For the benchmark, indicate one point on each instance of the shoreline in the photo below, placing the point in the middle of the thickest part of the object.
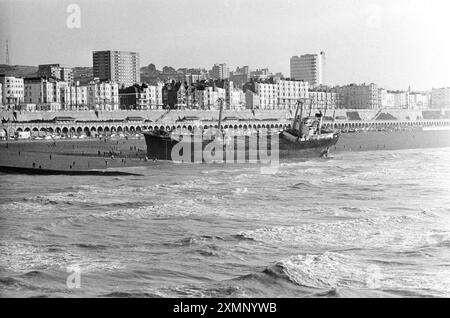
(101, 156)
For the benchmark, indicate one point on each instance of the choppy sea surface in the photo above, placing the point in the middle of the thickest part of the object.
(359, 224)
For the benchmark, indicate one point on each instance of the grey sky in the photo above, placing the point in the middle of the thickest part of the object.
(394, 43)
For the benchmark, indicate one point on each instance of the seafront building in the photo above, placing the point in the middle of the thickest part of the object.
(289, 92)
(12, 91)
(44, 92)
(324, 99)
(74, 96)
(141, 97)
(119, 67)
(440, 97)
(57, 71)
(364, 96)
(207, 97)
(403, 99)
(308, 67)
(103, 95)
(275, 94)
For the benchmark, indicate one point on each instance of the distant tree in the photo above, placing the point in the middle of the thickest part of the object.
(169, 70)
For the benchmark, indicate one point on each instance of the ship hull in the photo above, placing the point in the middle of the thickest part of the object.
(251, 148)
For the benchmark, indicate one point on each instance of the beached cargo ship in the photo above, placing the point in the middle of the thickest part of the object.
(306, 138)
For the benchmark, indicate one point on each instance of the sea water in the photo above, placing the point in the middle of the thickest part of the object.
(357, 224)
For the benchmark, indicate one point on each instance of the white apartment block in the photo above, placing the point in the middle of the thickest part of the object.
(237, 99)
(12, 90)
(308, 67)
(323, 100)
(74, 97)
(386, 99)
(208, 98)
(154, 95)
(268, 95)
(103, 95)
(289, 92)
(440, 97)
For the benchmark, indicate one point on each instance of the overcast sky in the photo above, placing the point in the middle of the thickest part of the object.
(395, 43)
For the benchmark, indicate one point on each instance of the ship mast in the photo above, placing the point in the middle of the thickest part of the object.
(220, 113)
(295, 116)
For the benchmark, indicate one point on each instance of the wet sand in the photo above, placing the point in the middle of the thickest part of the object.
(74, 154)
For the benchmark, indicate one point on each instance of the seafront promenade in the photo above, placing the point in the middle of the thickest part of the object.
(91, 123)
(87, 140)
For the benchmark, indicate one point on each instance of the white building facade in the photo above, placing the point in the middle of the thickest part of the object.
(103, 95)
(308, 67)
(12, 91)
(289, 92)
(44, 93)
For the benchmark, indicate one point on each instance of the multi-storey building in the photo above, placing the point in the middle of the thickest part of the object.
(117, 66)
(323, 99)
(355, 96)
(44, 92)
(13, 91)
(57, 71)
(289, 92)
(419, 100)
(220, 71)
(73, 96)
(103, 95)
(308, 67)
(154, 93)
(142, 97)
(440, 97)
(268, 95)
(208, 97)
(240, 76)
(386, 98)
(261, 74)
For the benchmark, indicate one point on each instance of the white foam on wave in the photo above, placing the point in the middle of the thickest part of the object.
(25, 208)
(176, 208)
(334, 270)
(21, 257)
(391, 232)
